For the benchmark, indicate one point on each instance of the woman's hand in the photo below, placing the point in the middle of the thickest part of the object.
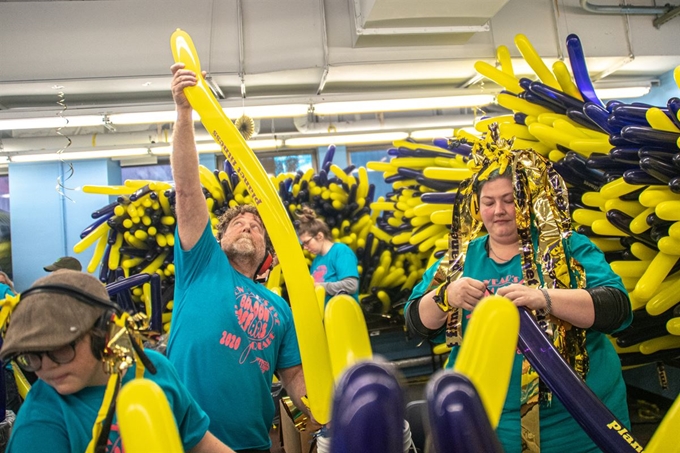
(466, 293)
(524, 296)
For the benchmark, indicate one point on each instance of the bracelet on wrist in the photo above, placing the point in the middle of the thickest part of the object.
(548, 301)
(441, 297)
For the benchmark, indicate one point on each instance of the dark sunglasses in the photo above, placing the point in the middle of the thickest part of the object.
(32, 361)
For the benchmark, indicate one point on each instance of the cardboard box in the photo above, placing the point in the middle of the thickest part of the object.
(294, 439)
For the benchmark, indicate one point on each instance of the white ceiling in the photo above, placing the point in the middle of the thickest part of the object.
(109, 55)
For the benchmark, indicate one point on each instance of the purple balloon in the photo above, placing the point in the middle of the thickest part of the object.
(596, 420)
(599, 115)
(650, 137)
(555, 96)
(457, 416)
(328, 158)
(673, 109)
(368, 411)
(127, 283)
(95, 224)
(577, 60)
(156, 321)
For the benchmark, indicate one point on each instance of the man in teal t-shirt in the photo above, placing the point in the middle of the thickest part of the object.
(229, 334)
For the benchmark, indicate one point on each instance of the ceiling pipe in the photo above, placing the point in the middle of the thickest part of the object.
(241, 50)
(434, 122)
(324, 42)
(618, 9)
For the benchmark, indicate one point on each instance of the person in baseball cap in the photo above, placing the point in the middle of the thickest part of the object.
(65, 262)
(59, 329)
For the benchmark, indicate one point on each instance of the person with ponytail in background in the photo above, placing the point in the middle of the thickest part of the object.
(335, 264)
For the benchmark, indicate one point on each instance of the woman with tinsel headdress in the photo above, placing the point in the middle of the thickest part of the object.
(531, 256)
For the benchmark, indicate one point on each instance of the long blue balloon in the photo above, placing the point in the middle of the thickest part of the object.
(577, 60)
(127, 283)
(596, 420)
(599, 115)
(555, 96)
(458, 420)
(673, 109)
(368, 411)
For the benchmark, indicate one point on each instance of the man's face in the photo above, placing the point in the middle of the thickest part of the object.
(244, 238)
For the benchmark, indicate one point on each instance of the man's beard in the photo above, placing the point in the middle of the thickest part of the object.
(243, 248)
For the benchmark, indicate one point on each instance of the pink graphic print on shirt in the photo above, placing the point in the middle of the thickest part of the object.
(494, 284)
(257, 317)
(319, 274)
(117, 445)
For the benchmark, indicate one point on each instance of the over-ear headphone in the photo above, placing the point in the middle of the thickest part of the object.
(100, 328)
(265, 265)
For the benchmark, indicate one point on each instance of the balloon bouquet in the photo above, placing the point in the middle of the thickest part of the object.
(619, 161)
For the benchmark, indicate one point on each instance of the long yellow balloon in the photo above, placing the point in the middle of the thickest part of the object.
(658, 120)
(665, 438)
(347, 334)
(487, 354)
(308, 325)
(145, 419)
(504, 79)
(564, 79)
(536, 62)
(654, 275)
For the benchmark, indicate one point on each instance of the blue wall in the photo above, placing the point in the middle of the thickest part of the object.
(46, 224)
(660, 95)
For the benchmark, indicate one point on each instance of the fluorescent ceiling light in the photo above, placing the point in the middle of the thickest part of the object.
(98, 154)
(393, 105)
(622, 93)
(381, 137)
(4, 160)
(432, 133)
(213, 147)
(53, 122)
(168, 116)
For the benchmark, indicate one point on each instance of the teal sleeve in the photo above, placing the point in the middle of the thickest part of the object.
(192, 422)
(419, 291)
(39, 427)
(598, 271)
(346, 264)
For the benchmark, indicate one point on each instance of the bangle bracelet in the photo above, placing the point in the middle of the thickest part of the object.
(441, 297)
(548, 301)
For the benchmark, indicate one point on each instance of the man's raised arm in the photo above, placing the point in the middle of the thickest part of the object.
(191, 210)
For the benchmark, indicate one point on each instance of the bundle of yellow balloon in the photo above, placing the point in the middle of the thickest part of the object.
(616, 158)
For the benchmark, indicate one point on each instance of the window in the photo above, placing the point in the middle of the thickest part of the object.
(159, 172)
(278, 162)
(5, 236)
(361, 158)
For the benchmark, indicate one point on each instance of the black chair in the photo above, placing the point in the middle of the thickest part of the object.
(416, 416)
